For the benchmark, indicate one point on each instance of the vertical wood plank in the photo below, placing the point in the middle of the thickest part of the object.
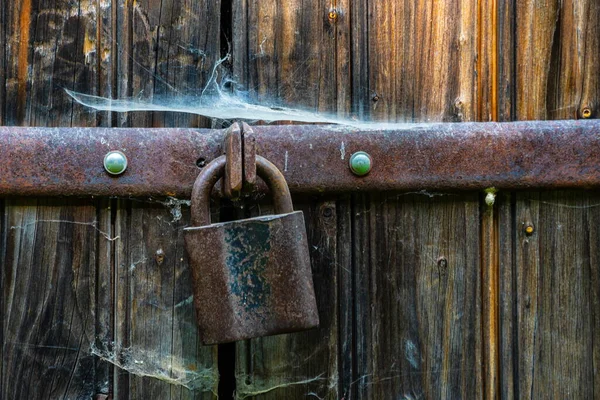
(507, 295)
(156, 329)
(558, 53)
(346, 316)
(422, 60)
(3, 280)
(49, 299)
(3, 51)
(167, 51)
(490, 260)
(306, 363)
(289, 57)
(52, 46)
(557, 295)
(487, 60)
(105, 287)
(418, 297)
(506, 59)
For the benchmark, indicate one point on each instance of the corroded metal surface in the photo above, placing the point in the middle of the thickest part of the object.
(250, 277)
(249, 154)
(460, 156)
(69, 161)
(463, 156)
(234, 174)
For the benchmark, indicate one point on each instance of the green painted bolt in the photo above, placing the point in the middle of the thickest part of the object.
(115, 162)
(360, 163)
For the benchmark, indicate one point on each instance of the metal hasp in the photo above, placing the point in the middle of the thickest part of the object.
(314, 159)
(250, 277)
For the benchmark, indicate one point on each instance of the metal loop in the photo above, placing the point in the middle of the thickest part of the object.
(214, 170)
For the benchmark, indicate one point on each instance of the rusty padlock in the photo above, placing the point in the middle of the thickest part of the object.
(251, 277)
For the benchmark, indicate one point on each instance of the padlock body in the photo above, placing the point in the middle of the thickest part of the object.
(251, 278)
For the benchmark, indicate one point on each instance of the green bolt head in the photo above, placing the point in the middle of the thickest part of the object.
(115, 162)
(360, 163)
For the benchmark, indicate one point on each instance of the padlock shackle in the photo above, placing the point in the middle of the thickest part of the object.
(212, 172)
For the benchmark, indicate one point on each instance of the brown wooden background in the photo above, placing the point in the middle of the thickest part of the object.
(506, 315)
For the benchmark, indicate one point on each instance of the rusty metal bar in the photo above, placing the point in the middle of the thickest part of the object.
(314, 159)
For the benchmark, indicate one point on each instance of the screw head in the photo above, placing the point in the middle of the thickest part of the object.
(529, 229)
(115, 162)
(360, 163)
(333, 15)
(586, 112)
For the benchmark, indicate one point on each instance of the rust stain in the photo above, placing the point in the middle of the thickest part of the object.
(23, 63)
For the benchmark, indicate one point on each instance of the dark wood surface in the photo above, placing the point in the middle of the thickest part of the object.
(154, 314)
(50, 299)
(550, 295)
(87, 306)
(417, 301)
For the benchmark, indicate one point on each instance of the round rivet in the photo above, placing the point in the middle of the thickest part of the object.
(115, 162)
(360, 163)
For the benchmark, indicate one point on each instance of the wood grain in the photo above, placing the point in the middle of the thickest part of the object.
(417, 297)
(555, 297)
(506, 60)
(490, 262)
(557, 57)
(154, 314)
(50, 298)
(422, 60)
(507, 281)
(3, 51)
(52, 46)
(166, 51)
(306, 363)
(285, 52)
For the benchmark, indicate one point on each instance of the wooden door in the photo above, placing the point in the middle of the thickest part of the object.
(421, 294)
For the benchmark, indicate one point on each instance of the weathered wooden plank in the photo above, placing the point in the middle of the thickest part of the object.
(346, 317)
(3, 239)
(490, 261)
(49, 299)
(105, 287)
(156, 335)
(51, 46)
(301, 364)
(289, 57)
(557, 57)
(506, 65)
(3, 51)
(554, 297)
(506, 295)
(487, 60)
(166, 50)
(422, 60)
(417, 297)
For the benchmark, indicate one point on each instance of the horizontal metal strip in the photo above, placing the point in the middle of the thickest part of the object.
(314, 159)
